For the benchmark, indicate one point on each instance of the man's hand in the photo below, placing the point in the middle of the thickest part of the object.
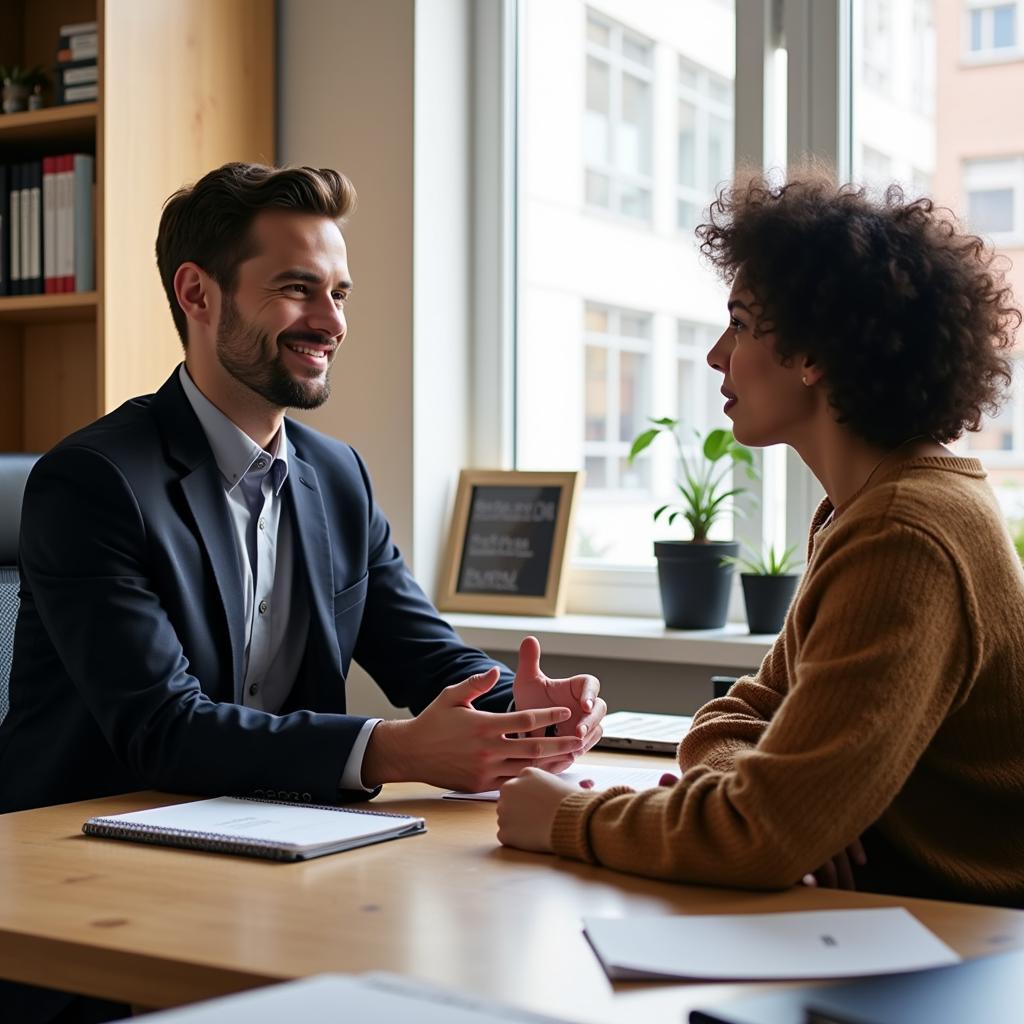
(527, 807)
(837, 873)
(533, 689)
(452, 745)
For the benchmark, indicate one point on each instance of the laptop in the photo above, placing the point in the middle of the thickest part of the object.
(643, 731)
(989, 990)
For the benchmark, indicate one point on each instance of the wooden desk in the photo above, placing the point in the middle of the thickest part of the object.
(159, 927)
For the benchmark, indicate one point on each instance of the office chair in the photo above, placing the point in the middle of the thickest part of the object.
(14, 470)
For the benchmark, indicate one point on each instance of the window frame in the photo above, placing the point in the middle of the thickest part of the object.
(987, 179)
(817, 120)
(990, 54)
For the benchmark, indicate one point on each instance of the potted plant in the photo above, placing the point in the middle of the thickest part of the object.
(693, 579)
(769, 583)
(18, 83)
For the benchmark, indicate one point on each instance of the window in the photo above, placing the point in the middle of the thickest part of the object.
(617, 366)
(614, 311)
(617, 121)
(705, 138)
(994, 198)
(992, 29)
(600, 299)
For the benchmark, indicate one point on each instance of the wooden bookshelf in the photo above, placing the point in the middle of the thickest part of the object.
(184, 85)
(48, 309)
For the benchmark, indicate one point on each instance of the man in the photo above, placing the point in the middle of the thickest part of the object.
(199, 573)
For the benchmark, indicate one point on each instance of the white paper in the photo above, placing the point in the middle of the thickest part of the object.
(757, 947)
(330, 998)
(604, 776)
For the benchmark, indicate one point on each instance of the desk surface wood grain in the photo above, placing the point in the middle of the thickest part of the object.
(159, 927)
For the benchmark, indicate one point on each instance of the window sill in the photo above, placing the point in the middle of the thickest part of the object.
(624, 638)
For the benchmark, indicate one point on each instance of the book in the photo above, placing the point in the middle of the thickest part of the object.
(64, 263)
(330, 998)
(79, 28)
(269, 829)
(82, 231)
(49, 224)
(766, 947)
(14, 230)
(989, 989)
(80, 74)
(4, 231)
(77, 93)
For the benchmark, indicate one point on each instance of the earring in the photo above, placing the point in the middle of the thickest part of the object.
(805, 380)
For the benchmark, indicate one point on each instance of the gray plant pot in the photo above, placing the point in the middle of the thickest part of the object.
(767, 599)
(694, 583)
(15, 98)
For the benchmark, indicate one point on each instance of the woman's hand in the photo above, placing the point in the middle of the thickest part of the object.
(527, 806)
(837, 873)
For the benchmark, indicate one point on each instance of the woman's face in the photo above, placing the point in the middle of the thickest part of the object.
(766, 400)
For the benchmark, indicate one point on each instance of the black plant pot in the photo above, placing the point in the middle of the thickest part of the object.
(694, 583)
(767, 599)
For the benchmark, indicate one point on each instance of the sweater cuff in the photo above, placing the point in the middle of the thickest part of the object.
(571, 827)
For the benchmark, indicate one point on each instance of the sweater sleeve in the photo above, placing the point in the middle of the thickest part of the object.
(729, 725)
(885, 647)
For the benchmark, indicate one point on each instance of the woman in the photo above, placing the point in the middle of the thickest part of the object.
(864, 334)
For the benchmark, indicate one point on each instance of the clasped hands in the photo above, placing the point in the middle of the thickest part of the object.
(452, 745)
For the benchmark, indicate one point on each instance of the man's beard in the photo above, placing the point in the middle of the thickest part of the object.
(244, 350)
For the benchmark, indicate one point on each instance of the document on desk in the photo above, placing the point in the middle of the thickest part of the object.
(256, 828)
(604, 776)
(331, 998)
(761, 947)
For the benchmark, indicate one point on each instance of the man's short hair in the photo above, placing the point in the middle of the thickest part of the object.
(209, 223)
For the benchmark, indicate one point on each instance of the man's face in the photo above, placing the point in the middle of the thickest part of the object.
(281, 327)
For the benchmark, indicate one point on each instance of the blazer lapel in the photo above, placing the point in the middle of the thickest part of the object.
(309, 521)
(204, 492)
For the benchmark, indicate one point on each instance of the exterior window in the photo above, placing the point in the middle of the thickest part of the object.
(618, 119)
(617, 360)
(994, 194)
(705, 114)
(992, 30)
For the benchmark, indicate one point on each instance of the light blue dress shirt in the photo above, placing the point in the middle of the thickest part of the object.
(277, 613)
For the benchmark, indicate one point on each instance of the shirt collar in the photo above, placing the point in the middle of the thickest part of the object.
(233, 450)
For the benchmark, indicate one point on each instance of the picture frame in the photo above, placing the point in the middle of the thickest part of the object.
(508, 544)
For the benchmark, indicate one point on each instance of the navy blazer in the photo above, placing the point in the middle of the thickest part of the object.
(127, 670)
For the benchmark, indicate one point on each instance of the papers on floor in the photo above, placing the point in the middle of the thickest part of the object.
(758, 947)
(330, 998)
(604, 776)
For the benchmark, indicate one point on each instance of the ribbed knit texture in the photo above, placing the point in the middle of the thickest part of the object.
(893, 697)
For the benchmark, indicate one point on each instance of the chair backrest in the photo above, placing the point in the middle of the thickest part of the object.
(14, 471)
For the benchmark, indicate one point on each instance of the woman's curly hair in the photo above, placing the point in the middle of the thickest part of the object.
(909, 318)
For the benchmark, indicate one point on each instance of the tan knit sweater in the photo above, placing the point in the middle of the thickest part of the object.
(893, 697)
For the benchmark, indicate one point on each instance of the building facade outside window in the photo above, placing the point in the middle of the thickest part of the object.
(991, 29)
(618, 119)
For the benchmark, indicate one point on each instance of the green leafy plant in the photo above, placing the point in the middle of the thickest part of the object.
(15, 74)
(1016, 527)
(766, 563)
(703, 478)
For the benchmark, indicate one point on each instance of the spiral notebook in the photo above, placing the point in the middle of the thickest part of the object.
(256, 828)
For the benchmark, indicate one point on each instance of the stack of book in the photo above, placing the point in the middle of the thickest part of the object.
(46, 225)
(76, 73)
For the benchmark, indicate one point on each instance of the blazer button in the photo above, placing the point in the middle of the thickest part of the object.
(293, 796)
(306, 797)
(259, 792)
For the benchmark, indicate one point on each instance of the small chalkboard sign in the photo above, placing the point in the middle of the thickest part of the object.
(508, 544)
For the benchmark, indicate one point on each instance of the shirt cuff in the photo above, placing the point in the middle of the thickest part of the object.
(352, 776)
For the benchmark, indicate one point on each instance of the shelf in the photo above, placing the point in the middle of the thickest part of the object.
(46, 309)
(51, 124)
(617, 637)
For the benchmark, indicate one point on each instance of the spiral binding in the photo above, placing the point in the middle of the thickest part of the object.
(216, 842)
